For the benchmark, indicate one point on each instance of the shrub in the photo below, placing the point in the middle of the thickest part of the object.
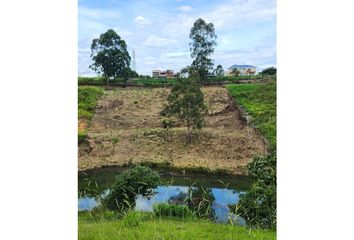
(167, 123)
(128, 185)
(132, 219)
(258, 205)
(171, 210)
(82, 137)
(87, 100)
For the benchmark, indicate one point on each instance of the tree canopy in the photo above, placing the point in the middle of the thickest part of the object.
(203, 39)
(186, 102)
(219, 71)
(110, 56)
(269, 71)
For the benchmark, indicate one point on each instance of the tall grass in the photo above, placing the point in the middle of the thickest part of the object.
(87, 100)
(259, 100)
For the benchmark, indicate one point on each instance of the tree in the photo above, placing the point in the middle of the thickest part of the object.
(269, 71)
(128, 185)
(202, 46)
(235, 72)
(186, 102)
(110, 56)
(219, 72)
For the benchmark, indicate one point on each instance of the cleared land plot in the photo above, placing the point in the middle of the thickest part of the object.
(126, 128)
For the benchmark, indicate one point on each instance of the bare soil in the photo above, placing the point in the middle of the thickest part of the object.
(126, 128)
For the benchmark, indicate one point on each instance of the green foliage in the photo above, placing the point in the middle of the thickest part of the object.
(219, 71)
(269, 71)
(259, 100)
(87, 100)
(203, 39)
(167, 123)
(128, 185)
(235, 72)
(110, 56)
(82, 137)
(114, 140)
(186, 102)
(199, 200)
(132, 219)
(258, 205)
(171, 210)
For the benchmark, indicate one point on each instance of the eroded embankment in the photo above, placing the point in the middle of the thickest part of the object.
(127, 129)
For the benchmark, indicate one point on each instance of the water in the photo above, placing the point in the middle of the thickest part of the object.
(226, 190)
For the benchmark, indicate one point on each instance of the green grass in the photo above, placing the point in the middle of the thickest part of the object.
(87, 100)
(259, 100)
(146, 226)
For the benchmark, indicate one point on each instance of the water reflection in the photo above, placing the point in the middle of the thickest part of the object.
(222, 197)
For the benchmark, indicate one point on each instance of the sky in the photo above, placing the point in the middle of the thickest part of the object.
(158, 31)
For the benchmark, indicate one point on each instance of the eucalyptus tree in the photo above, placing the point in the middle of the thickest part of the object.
(110, 56)
(202, 46)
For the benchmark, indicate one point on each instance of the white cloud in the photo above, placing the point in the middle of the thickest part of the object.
(154, 41)
(185, 8)
(141, 20)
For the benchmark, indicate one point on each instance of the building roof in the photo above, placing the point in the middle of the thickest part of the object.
(242, 66)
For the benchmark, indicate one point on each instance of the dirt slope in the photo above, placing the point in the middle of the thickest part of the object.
(127, 128)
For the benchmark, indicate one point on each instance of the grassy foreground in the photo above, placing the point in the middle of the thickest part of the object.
(259, 100)
(150, 227)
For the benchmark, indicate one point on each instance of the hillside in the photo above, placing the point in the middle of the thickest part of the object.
(126, 128)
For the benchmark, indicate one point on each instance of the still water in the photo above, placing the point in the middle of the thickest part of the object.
(94, 185)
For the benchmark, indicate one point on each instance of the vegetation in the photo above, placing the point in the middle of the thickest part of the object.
(110, 56)
(258, 205)
(186, 102)
(202, 46)
(219, 71)
(82, 137)
(87, 100)
(128, 185)
(269, 71)
(259, 100)
(171, 210)
(146, 226)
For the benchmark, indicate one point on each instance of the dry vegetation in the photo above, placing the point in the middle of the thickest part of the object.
(126, 128)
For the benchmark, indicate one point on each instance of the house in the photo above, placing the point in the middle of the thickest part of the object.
(162, 74)
(244, 70)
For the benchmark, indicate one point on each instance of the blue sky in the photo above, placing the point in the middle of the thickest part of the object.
(158, 31)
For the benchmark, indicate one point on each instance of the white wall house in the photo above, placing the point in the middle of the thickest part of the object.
(245, 70)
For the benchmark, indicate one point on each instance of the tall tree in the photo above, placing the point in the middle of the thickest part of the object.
(110, 56)
(269, 71)
(202, 46)
(219, 71)
(186, 102)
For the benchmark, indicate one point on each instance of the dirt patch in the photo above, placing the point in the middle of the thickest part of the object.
(127, 128)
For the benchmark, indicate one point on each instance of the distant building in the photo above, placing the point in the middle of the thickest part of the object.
(162, 74)
(245, 70)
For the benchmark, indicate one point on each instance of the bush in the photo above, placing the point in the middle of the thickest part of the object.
(82, 137)
(128, 185)
(258, 205)
(170, 210)
(132, 219)
(88, 97)
(167, 123)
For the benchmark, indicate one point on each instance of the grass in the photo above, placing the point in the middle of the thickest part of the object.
(259, 100)
(147, 226)
(87, 100)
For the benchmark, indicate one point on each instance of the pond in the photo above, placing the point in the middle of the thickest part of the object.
(95, 184)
